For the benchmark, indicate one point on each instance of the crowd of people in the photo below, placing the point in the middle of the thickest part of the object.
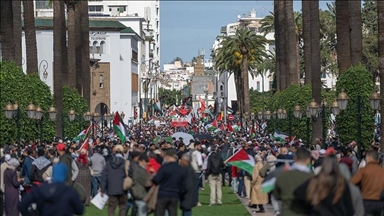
(141, 177)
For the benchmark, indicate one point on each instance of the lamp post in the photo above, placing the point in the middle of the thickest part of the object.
(44, 65)
(13, 111)
(39, 116)
(246, 116)
(342, 100)
(253, 121)
(267, 117)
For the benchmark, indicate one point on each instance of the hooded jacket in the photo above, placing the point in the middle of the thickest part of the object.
(54, 199)
(39, 166)
(113, 176)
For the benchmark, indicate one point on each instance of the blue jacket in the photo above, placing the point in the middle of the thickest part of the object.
(27, 170)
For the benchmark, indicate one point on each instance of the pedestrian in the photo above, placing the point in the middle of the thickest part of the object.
(171, 180)
(197, 164)
(66, 159)
(54, 199)
(39, 166)
(47, 176)
(84, 176)
(187, 202)
(97, 167)
(214, 168)
(112, 182)
(11, 188)
(26, 169)
(328, 192)
(141, 184)
(371, 180)
(258, 198)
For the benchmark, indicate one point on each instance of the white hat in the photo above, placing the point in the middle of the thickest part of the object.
(322, 151)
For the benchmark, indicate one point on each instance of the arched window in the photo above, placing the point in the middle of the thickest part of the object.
(101, 81)
(102, 47)
(94, 47)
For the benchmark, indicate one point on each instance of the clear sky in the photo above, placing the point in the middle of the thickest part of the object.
(188, 26)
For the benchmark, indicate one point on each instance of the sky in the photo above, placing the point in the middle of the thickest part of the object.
(188, 26)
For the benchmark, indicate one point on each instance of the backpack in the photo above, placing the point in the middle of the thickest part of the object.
(216, 164)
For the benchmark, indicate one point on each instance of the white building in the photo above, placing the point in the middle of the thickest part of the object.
(113, 48)
(177, 76)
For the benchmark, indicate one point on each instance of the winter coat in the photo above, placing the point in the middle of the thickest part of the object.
(39, 166)
(3, 167)
(187, 201)
(11, 192)
(53, 199)
(26, 170)
(141, 183)
(257, 196)
(215, 164)
(113, 176)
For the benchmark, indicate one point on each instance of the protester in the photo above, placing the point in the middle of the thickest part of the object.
(197, 163)
(84, 176)
(11, 188)
(214, 171)
(258, 198)
(66, 159)
(97, 167)
(187, 202)
(39, 166)
(54, 199)
(141, 184)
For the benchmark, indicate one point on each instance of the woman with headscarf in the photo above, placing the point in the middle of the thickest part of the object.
(327, 193)
(11, 188)
(84, 177)
(258, 198)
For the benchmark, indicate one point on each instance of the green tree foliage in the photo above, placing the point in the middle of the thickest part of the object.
(370, 36)
(168, 97)
(24, 89)
(72, 100)
(356, 81)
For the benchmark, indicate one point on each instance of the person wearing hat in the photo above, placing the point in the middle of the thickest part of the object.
(54, 199)
(69, 162)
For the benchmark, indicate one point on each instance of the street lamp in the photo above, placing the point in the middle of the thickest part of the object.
(297, 112)
(259, 115)
(280, 113)
(31, 111)
(313, 108)
(267, 115)
(246, 116)
(335, 108)
(374, 100)
(71, 115)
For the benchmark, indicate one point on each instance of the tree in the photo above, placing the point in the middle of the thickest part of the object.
(307, 41)
(343, 35)
(168, 97)
(85, 61)
(6, 30)
(291, 45)
(236, 56)
(71, 6)
(30, 36)
(281, 70)
(370, 37)
(380, 14)
(356, 33)
(356, 81)
(17, 31)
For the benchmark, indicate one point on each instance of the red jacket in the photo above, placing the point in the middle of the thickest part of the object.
(234, 171)
(153, 166)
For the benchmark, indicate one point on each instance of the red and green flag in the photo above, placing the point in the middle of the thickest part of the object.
(118, 126)
(242, 160)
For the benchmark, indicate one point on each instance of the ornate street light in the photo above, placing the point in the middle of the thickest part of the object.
(267, 115)
(313, 108)
(38, 113)
(297, 112)
(31, 111)
(96, 116)
(52, 113)
(335, 108)
(9, 110)
(342, 100)
(87, 116)
(280, 114)
(285, 114)
(71, 115)
(308, 113)
(374, 99)
(259, 115)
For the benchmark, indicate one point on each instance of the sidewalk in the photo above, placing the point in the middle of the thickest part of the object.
(268, 208)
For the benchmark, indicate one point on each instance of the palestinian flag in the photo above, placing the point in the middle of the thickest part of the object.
(85, 145)
(157, 107)
(82, 134)
(229, 110)
(278, 136)
(212, 126)
(253, 133)
(118, 126)
(269, 185)
(235, 127)
(242, 160)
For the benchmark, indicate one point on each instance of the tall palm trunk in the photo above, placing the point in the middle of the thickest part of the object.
(17, 31)
(59, 53)
(78, 42)
(356, 34)
(315, 62)
(290, 44)
(85, 62)
(380, 12)
(343, 35)
(281, 74)
(245, 80)
(30, 37)
(71, 44)
(307, 41)
(7, 40)
(239, 87)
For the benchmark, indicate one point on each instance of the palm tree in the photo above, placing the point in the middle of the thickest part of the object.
(315, 61)
(356, 32)
(237, 55)
(6, 31)
(380, 12)
(17, 31)
(307, 41)
(60, 59)
(281, 71)
(290, 44)
(343, 35)
(71, 6)
(85, 70)
(30, 36)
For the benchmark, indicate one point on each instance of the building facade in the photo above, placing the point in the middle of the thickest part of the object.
(113, 63)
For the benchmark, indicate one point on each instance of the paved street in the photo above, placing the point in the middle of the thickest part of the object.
(268, 208)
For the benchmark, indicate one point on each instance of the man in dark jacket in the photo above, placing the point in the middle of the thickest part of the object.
(214, 168)
(54, 199)
(187, 202)
(112, 182)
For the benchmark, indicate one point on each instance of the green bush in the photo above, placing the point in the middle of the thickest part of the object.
(16, 86)
(356, 81)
